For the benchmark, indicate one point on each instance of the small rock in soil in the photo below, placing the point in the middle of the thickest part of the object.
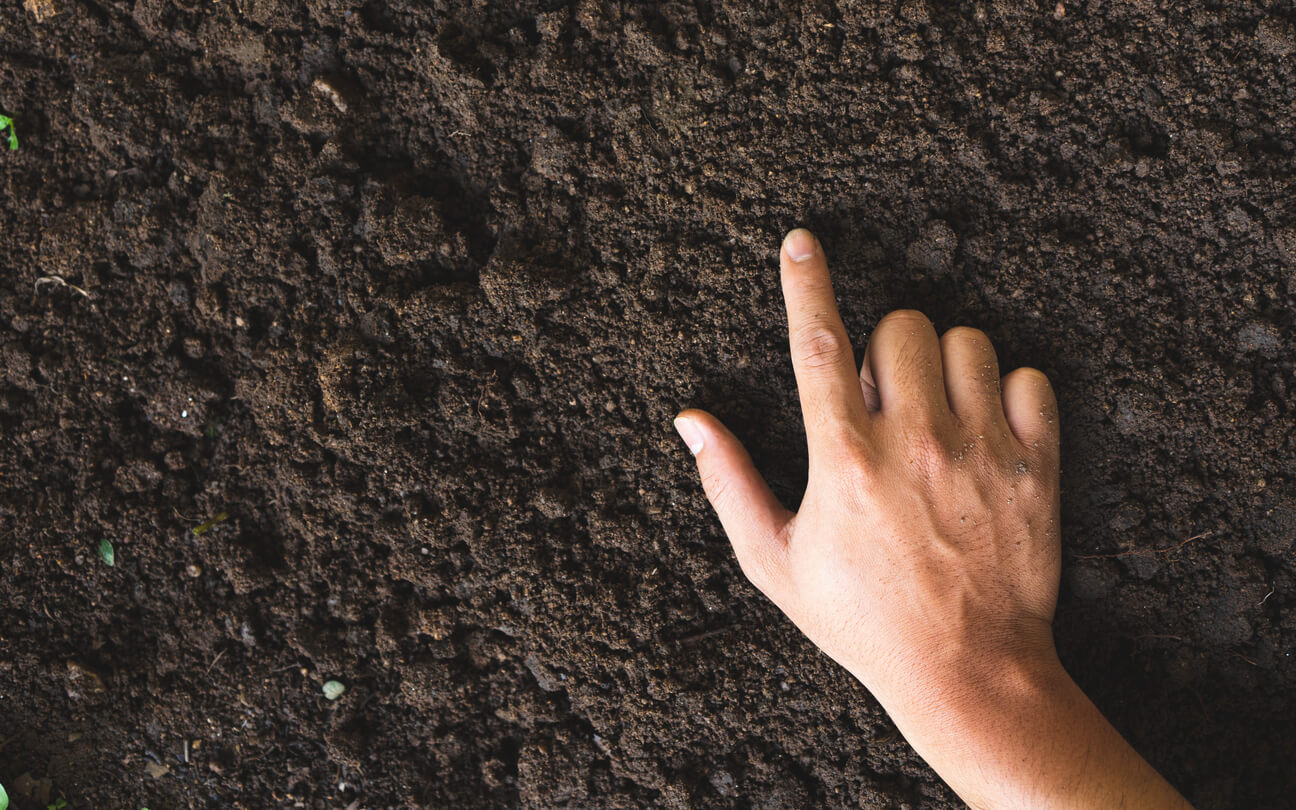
(82, 682)
(42, 10)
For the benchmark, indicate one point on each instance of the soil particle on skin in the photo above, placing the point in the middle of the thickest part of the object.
(409, 293)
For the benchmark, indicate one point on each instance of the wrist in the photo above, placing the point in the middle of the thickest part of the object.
(974, 697)
(981, 722)
(1017, 732)
(977, 733)
(972, 677)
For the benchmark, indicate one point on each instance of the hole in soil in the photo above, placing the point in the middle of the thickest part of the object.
(266, 548)
(530, 32)
(378, 16)
(1147, 138)
(464, 47)
(574, 129)
(1274, 146)
(99, 13)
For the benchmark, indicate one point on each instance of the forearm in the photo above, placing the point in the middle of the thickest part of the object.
(1030, 738)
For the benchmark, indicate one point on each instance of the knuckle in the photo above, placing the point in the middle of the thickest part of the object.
(819, 347)
(841, 435)
(854, 459)
(1030, 485)
(1043, 452)
(851, 471)
(929, 454)
(924, 426)
(843, 445)
(930, 450)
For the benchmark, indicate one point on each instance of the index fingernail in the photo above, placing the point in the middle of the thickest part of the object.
(800, 245)
(690, 433)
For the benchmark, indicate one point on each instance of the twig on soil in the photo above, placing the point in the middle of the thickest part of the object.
(60, 282)
(214, 662)
(1244, 658)
(1272, 590)
(1140, 552)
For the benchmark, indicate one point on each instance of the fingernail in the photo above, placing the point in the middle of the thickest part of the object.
(690, 433)
(800, 245)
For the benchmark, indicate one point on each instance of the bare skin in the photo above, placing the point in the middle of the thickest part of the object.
(925, 557)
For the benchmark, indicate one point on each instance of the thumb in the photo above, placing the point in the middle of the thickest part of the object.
(751, 516)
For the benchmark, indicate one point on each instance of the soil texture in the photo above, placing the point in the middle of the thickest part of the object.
(356, 328)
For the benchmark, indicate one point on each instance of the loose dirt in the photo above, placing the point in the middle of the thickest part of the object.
(410, 292)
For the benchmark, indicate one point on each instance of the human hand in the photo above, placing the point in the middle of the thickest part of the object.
(926, 547)
(925, 555)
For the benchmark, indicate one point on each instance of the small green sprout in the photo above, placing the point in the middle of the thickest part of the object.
(8, 123)
(106, 552)
(4, 799)
(59, 804)
(206, 525)
(333, 689)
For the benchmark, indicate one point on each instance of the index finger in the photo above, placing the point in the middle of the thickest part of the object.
(831, 397)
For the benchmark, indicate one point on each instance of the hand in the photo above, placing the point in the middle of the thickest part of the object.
(925, 556)
(926, 545)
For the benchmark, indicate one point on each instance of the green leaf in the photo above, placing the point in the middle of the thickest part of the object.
(206, 525)
(4, 799)
(106, 552)
(8, 123)
(333, 689)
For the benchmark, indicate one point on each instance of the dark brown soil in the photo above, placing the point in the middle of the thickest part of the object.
(424, 353)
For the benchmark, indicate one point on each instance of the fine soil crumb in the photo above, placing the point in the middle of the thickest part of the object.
(394, 302)
(932, 253)
(41, 10)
